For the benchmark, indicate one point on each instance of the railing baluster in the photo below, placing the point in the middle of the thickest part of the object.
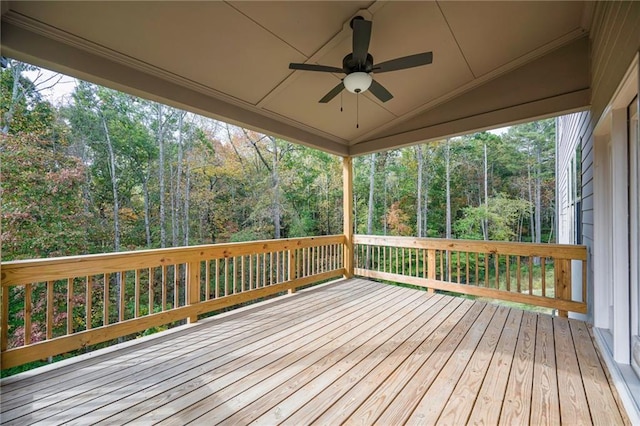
(530, 274)
(226, 276)
(217, 279)
(543, 261)
(487, 282)
(466, 275)
(251, 272)
(151, 291)
(477, 276)
(136, 296)
(69, 305)
(176, 286)
(242, 274)
(164, 279)
(49, 310)
(496, 262)
(264, 269)
(518, 275)
(234, 283)
(27, 314)
(121, 293)
(458, 267)
(88, 313)
(207, 279)
(403, 262)
(508, 272)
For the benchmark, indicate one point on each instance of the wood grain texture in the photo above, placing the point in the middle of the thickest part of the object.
(350, 352)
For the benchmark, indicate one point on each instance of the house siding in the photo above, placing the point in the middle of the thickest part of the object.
(575, 130)
(615, 39)
(614, 43)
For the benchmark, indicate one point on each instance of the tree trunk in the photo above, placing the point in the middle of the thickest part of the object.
(185, 209)
(538, 197)
(372, 176)
(419, 192)
(447, 159)
(448, 195)
(145, 190)
(16, 72)
(116, 209)
(276, 189)
(114, 186)
(160, 140)
(485, 222)
(172, 204)
(425, 194)
(175, 215)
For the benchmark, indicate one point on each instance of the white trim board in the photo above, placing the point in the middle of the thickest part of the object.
(623, 378)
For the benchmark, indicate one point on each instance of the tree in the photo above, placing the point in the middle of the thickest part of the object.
(42, 214)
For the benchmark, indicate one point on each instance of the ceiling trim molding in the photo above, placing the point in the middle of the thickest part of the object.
(530, 111)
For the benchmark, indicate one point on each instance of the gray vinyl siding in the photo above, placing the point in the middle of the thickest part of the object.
(615, 39)
(573, 130)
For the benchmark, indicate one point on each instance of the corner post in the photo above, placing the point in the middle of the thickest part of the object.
(347, 208)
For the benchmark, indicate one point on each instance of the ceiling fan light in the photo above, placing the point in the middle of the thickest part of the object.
(357, 82)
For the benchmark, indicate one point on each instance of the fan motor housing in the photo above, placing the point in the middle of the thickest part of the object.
(349, 65)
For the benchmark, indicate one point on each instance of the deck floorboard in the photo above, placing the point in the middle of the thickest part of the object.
(350, 352)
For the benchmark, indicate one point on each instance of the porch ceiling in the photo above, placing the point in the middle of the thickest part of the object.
(494, 62)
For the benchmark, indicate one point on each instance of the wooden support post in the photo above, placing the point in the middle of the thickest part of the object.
(562, 273)
(431, 267)
(292, 269)
(193, 287)
(347, 209)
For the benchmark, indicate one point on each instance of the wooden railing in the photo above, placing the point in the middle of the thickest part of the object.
(533, 274)
(63, 304)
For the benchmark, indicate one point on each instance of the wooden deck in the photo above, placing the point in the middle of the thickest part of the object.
(354, 352)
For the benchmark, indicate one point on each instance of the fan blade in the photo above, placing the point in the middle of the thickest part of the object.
(332, 93)
(314, 67)
(405, 62)
(361, 39)
(380, 92)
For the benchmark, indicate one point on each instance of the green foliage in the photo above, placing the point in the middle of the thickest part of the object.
(42, 205)
(71, 172)
(503, 215)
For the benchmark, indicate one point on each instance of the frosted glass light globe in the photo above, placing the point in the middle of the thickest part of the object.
(357, 82)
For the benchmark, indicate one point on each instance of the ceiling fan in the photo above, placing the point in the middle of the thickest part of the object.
(359, 65)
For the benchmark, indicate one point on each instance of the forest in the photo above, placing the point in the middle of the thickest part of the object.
(105, 171)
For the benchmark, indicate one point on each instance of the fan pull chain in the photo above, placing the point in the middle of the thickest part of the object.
(341, 100)
(357, 110)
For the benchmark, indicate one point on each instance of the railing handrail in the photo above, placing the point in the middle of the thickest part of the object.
(564, 251)
(16, 272)
(183, 282)
(467, 280)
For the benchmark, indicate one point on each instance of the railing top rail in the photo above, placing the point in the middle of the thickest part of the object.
(17, 272)
(562, 251)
